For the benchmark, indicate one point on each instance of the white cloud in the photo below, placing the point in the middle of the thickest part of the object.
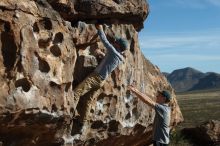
(191, 3)
(197, 4)
(188, 57)
(214, 2)
(175, 50)
(170, 62)
(181, 40)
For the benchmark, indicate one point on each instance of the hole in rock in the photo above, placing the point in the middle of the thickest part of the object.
(24, 84)
(132, 46)
(54, 73)
(19, 66)
(46, 23)
(101, 97)
(135, 112)
(54, 108)
(68, 85)
(36, 28)
(135, 101)
(77, 126)
(108, 104)
(42, 3)
(97, 125)
(118, 1)
(74, 24)
(9, 47)
(55, 50)
(6, 25)
(45, 108)
(113, 126)
(114, 77)
(54, 85)
(119, 88)
(92, 111)
(58, 38)
(128, 34)
(127, 105)
(72, 110)
(91, 142)
(62, 107)
(99, 112)
(128, 116)
(43, 66)
(44, 43)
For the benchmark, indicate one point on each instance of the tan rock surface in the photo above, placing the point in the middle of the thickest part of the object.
(208, 133)
(43, 57)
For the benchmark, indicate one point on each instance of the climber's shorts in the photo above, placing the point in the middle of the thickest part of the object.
(93, 82)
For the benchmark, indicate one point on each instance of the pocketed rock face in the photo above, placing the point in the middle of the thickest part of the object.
(43, 57)
(107, 11)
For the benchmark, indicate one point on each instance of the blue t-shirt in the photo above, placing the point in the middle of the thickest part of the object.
(111, 60)
(161, 123)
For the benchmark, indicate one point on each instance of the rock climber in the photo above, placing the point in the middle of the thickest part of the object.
(114, 56)
(162, 117)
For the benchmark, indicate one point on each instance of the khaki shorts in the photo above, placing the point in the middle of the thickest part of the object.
(92, 82)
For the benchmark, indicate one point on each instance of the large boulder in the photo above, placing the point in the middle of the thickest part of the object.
(43, 56)
(208, 133)
(108, 11)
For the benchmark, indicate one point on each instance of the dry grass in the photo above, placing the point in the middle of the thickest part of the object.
(196, 107)
(199, 106)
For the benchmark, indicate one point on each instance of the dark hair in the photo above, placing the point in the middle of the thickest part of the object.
(166, 94)
(122, 42)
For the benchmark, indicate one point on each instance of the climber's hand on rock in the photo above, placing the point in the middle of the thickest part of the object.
(131, 87)
(99, 53)
(98, 26)
(134, 83)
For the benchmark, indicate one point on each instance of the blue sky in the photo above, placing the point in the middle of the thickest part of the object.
(182, 33)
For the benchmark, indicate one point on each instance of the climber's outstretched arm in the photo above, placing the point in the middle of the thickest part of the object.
(145, 98)
(104, 39)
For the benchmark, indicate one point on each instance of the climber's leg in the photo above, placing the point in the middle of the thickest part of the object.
(97, 85)
(88, 105)
(86, 114)
(93, 81)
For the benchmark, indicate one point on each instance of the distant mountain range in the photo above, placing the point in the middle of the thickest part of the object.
(188, 79)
